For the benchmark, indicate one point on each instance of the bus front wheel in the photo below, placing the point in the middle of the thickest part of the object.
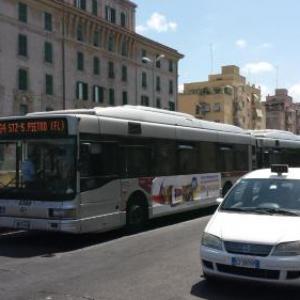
(136, 216)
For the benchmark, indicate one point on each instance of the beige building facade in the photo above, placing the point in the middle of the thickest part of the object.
(282, 113)
(225, 98)
(80, 53)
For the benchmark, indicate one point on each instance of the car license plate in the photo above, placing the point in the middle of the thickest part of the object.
(21, 224)
(246, 262)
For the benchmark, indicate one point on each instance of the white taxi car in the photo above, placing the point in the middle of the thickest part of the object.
(255, 232)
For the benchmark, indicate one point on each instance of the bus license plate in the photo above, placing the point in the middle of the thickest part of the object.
(245, 262)
(20, 224)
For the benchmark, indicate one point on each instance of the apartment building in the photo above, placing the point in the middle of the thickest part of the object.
(225, 98)
(80, 53)
(282, 113)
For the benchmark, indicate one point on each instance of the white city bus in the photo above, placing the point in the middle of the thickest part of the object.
(93, 170)
(276, 147)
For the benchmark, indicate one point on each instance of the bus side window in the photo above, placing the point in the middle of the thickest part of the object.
(98, 159)
(225, 158)
(136, 160)
(187, 158)
(164, 158)
(241, 161)
(207, 157)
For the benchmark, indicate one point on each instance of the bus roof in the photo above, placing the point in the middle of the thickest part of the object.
(275, 134)
(150, 115)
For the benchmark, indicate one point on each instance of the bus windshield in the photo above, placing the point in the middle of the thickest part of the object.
(38, 169)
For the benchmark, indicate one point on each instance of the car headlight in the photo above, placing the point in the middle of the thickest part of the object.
(287, 249)
(211, 241)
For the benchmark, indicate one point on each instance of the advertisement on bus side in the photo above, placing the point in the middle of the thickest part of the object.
(177, 190)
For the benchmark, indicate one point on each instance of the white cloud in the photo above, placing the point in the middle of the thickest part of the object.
(265, 91)
(294, 91)
(180, 88)
(159, 23)
(140, 28)
(259, 67)
(241, 43)
(265, 45)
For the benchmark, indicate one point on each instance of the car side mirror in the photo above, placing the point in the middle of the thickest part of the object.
(219, 200)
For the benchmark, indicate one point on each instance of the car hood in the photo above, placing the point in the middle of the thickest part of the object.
(253, 228)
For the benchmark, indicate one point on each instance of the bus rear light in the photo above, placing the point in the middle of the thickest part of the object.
(58, 213)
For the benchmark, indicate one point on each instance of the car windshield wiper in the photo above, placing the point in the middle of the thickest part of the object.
(239, 209)
(263, 210)
(273, 210)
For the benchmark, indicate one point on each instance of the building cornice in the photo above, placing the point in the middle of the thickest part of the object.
(144, 40)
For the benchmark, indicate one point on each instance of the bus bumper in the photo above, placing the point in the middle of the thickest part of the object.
(68, 226)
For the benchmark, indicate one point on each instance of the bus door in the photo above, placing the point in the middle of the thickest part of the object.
(99, 182)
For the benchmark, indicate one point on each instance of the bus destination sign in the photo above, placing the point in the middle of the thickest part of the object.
(24, 128)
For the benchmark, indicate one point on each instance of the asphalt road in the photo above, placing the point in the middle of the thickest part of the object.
(159, 263)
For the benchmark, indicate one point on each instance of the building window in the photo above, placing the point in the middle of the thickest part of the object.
(98, 94)
(171, 88)
(80, 4)
(80, 61)
(111, 97)
(23, 109)
(124, 73)
(216, 107)
(124, 98)
(22, 12)
(144, 80)
(80, 37)
(171, 66)
(96, 39)
(47, 21)
(144, 56)
(96, 66)
(82, 90)
(49, 108)
(110, 14)
(23, 80)
(49, 84)
(145, 100)
(171, 106)
(123, 19)
(111, 43)
(95, 7)
(111, 72)
(158, 87)
(157, 61)
(48, 53)
(124, 48)
(22, 45)
(158, 103)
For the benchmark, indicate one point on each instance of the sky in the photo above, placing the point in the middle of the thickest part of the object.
(262, 37)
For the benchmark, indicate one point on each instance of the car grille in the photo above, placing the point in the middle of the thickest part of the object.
(248, 249)
(249, 272)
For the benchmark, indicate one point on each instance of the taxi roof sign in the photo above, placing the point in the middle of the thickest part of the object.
(279, 169)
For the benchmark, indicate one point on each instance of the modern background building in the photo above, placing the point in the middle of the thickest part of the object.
(225, 98)
(83, 53)
(282, 113)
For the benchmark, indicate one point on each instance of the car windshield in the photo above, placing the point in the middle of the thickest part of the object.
(37, 169)
(264, 196)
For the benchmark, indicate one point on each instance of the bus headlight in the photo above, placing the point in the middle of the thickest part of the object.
(211, 241)
(287, 249)
(61, 213)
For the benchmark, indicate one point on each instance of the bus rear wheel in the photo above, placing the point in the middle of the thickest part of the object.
(136, 217)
